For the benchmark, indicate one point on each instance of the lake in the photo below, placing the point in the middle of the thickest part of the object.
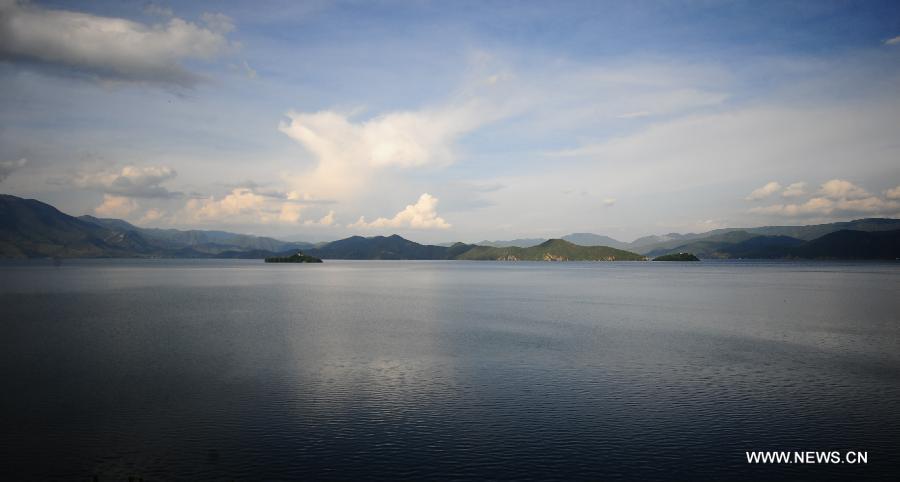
(351, 370)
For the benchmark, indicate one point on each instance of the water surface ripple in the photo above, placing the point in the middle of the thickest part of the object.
(221, 370)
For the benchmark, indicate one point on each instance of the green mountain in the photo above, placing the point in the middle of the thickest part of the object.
(550, 250)
(32, 229)
(849, 244)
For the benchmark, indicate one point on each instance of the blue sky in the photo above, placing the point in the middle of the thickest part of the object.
(453, 120)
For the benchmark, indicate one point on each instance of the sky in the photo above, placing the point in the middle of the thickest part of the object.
(453, 121)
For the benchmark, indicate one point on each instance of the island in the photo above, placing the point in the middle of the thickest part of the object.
(298, 257)
(677, 257)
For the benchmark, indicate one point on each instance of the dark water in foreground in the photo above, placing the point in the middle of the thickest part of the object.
(220, 370)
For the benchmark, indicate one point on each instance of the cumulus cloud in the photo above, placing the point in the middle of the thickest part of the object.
(7, 167)
(116, 206)
(893, 193)
(131, 181)
(263, 189)
(326, 220)
(893, 41)
(841, 189)
(796, 189)
(243, 205)
(421, 215)
(836, 196)
(764, 192)
(668, 152)
(348, 152)
(290, 213)
(110, 47)
(403, 139)
(238, 202)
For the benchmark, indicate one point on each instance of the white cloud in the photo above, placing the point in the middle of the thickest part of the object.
(841, 189)
(609, 202)
(893, 41)
(764, 192)
(870, 204)
(817, 205)
(402, 139)
(109, 47)
(116, 206)
(421, 215)
(326, 220)
(349, 153)
(699, 151)
(238, 202)
(132, 181)
(893, 193)
(242, 206)
(825, 206)
(796, 189)
(836, 196)
(7, 167)
(290, 213)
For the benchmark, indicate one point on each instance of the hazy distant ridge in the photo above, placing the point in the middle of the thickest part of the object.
(32, 229)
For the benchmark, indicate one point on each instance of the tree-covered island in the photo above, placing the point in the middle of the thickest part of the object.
(297, 257)
(677, 257)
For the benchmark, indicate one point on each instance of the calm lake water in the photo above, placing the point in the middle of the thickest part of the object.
(221, 370)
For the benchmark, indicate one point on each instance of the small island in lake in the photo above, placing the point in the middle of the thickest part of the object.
(677, 257)
(298, 257)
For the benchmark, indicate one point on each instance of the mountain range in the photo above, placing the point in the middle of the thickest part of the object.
(33, 229)
(656, 245)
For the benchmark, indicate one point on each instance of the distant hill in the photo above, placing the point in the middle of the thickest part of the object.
(583, 239)
(383, 247)
(590, 239)
(550, 250)
(843, 244)
(521, 243)
(761, 247)
(849, 244)
(808, 233)
(714, 246)
(30, 228)
(649, 243)
(207, 242)
(654, 245)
